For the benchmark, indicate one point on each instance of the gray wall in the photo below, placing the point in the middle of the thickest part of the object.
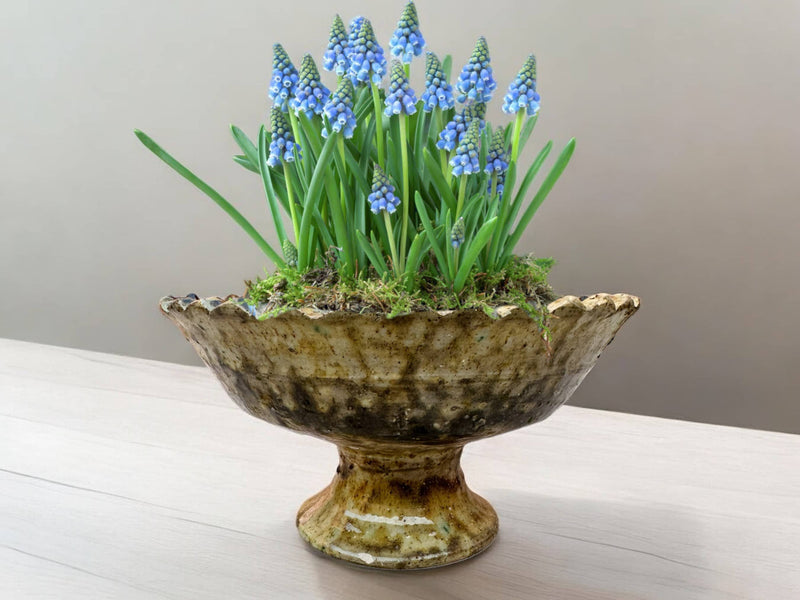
(684, 187)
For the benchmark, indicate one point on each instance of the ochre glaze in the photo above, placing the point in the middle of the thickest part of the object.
(400, 397)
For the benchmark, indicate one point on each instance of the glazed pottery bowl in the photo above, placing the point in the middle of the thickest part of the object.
(400, 398)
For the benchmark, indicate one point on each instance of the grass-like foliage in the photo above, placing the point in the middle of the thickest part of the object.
(384, 199)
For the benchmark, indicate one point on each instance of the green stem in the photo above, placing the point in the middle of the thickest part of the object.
(292, 208)
(340, 143)
(392, 245)
(376, 101)
(407, 69)
(462, 189)
(517, 130)
(404, 162)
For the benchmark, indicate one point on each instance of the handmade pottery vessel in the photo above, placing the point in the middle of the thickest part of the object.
(400, 398)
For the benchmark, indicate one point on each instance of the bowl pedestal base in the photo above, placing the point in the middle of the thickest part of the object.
(398, 506)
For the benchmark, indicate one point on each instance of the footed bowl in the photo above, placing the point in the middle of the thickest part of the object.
(400, 398)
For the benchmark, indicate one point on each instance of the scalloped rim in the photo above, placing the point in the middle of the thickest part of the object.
(620, 301)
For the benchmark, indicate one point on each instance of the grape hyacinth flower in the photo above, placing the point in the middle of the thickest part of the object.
(522, 91)
(367, 62)
(382, 197)
(476, 82)
(282, 146)
(284, 78)
(457, 233)
(310, 95)
(355, 25)
(465, 160)
(437, 91)
(454, 131)
(407, 41)
(339, 110)
(401, 98)
(335, 58)
(497, 161)
(289, 252)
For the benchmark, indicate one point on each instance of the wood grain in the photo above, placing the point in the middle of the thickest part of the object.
(129, 478)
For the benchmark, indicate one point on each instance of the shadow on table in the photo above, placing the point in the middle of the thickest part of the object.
(550, 547)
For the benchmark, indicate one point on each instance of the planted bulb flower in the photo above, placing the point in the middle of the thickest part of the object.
(335, 58)
(367, 62)
(282, 146)
(476, 82)
(522, 91)
(465, 160)
(401, 98)
(407, 41)
(382, 197)
(284, 80)
(310, 95)
(437, 91)
(339, 110)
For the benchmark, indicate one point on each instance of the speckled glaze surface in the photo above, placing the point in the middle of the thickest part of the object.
(400, 397)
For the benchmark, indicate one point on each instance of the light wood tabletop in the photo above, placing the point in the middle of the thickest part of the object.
(129, 478)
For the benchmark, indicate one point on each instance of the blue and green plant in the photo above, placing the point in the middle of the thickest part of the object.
(384, 186)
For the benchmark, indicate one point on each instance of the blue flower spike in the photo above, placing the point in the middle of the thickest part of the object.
(407, 41)
(382, 197)
(355, 26)
(476, 82)
(335, 58)
(457, 233)
(367, 61)
(310, 95)
(522, 91)
(339, 110)
(465, 160)
(282, 146)
(401, 98)
(284, 78)
(454, 131)
(437, 91)
(497, 160)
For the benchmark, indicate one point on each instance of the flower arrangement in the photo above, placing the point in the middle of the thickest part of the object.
(415, 196)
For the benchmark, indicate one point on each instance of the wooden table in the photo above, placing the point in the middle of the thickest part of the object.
(129, 478)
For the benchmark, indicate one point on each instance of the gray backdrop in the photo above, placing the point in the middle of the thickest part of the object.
(683, 188)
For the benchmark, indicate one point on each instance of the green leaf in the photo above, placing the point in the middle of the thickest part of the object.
(426, 223)
(269, 190)
(213, 194)
(447, 66)
(312, 200)
(374, 258)
(527, 130)
(415, 254)
(474, 248)
(439, 182)
(241, 159)
(249, 149)
(552, 177)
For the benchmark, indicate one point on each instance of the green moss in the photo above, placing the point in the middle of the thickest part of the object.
(522, 283)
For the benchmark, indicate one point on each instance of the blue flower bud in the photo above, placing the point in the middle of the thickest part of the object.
(335, 58)
(457, 233)
(454, 131)
(407, 41)
(497, 160)
(466, 159)
(522, 91)
(283, 84)
(476, 82)
(310, 95)
(437, 91)
(401, 98)
(282, 145)
(339, 110)
(367, 62)
(382, 196)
